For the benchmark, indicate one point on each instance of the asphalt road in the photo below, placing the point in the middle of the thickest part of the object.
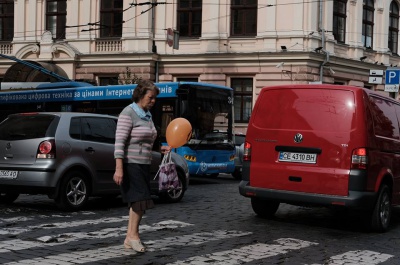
(213, 224)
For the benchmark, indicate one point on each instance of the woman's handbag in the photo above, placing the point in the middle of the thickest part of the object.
(167, 175)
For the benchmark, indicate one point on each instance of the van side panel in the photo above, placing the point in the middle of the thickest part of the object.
(384, 152)
(305, 123)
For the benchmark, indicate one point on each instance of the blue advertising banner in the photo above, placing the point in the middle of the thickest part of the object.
(81, 94)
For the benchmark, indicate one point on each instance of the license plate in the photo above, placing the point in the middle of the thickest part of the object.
(298, 157)
(8, 174)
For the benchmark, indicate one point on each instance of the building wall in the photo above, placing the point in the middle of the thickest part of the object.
(215, 56)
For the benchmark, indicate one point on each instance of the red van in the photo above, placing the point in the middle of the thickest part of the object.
(323, 145)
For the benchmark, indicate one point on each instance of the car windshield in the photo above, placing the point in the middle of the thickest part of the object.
(22, 127)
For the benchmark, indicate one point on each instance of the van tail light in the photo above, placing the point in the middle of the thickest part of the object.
(359, 158)
(46, 150)
(247, 152)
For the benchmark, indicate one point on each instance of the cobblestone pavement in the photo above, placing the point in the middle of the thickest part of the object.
(212, 225)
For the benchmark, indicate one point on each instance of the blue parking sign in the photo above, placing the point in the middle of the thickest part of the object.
(392, 77)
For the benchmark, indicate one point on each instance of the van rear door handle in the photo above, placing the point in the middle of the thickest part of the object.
(295, 179)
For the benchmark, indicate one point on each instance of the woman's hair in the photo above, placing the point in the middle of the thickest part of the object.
(141, 89)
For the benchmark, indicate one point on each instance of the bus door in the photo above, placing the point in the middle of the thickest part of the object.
(163, 113)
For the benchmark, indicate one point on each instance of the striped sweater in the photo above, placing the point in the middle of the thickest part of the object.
(134, 138)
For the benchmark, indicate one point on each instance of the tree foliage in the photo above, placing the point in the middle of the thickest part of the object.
(128, 77)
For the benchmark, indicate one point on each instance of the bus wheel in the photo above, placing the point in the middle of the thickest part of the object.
(174, 195)
(8, 197)
(74, 191)
(264, 208)
(382, 212)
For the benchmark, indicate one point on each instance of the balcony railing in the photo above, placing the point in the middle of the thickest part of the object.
(6, 48)
(108, 45)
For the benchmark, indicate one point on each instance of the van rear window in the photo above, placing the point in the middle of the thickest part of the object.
(306, 109)
(384, 115)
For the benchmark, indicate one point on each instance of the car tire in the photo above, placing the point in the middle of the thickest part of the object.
(237, 174)
(175, 195)
(73, 191)
(380, 218)
(264, 208)
(8, 197)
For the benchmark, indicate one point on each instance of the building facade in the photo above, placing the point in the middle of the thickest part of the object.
(244, 44)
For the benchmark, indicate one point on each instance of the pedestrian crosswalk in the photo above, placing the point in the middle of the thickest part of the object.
(18, 248)
(248, 253)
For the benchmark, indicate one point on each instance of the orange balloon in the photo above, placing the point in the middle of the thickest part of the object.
(179, 131)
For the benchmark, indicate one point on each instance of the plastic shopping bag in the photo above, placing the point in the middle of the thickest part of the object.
(167, 175)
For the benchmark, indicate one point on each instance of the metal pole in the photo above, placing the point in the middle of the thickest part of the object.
(321, 28)
(153, 10)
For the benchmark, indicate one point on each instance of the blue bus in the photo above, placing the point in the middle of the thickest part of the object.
(207, 107)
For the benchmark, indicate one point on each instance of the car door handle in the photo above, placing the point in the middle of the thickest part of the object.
(89, 149)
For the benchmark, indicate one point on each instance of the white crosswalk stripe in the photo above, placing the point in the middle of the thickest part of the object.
(117, 251)
(248, 253)
(359, 257)
(20, 230)
(54, 240)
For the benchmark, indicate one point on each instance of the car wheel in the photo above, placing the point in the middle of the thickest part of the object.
(382, 212)
(174, 195)
(264, 208)
(237, 174)
(8, 197)
(73, 191)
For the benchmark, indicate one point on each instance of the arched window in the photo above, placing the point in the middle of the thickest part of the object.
(368, 23)
(339, 20)
(393, 27)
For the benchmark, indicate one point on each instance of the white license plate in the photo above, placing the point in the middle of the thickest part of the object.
(298, 157)
(8, 174)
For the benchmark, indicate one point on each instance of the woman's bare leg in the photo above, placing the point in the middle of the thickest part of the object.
(133, 225)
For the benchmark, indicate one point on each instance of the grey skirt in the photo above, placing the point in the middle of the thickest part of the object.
(135, 187)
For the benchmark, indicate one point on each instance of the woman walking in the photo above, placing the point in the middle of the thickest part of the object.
(135, 137)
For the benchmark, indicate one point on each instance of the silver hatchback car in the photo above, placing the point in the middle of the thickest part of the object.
(67, 156)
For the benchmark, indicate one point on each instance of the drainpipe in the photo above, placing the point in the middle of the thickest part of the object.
(321, 67)
(321, 28)
(156, 73)
(154, 47)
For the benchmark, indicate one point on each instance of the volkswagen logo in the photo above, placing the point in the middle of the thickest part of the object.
(298, 138)
(8, 146)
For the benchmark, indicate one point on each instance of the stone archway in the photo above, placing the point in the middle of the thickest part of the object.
(47, 50)
(19, 72)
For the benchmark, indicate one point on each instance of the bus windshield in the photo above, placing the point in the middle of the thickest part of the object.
(208, 110)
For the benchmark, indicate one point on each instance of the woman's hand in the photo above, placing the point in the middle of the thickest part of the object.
(118, 175)
(119, 171)
(165, 149)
